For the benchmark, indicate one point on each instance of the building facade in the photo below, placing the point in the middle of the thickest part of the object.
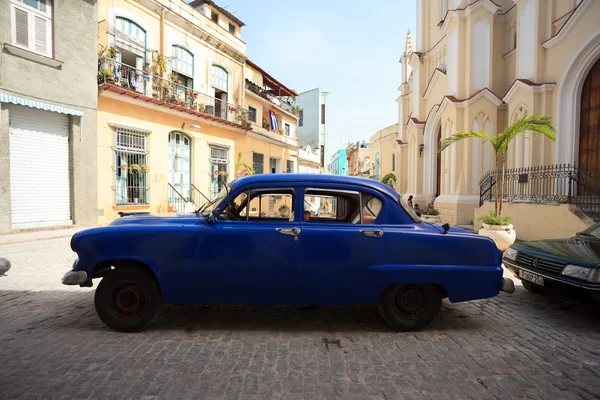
(47, 114)
(309, 160)
(339, 163)
(312, 124)
(358, 158)
(384, 151)
(480, 65)
(181, 109)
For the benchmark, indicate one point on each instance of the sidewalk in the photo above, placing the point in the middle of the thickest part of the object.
(32, 236)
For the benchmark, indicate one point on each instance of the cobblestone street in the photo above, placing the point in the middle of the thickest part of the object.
(513, 346)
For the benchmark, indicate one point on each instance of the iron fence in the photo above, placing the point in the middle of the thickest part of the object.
(563, 183)
(167, 90)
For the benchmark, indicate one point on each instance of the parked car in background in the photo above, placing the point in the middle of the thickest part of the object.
(365, 246)
(568, 267)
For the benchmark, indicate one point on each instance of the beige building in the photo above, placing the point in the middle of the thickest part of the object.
(384, 153)
(482, 64)
(359, 161)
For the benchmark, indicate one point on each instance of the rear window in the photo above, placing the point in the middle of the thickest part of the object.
(408, 210)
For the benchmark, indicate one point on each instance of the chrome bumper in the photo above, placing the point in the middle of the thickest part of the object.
(75, 278)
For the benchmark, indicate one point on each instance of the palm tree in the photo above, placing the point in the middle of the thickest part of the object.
(241, 168)
(528, 126)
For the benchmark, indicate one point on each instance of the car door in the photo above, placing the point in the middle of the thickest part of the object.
(253, 258)
(337, 249)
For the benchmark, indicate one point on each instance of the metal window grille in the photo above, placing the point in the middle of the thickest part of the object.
(252, 114)
(131, 164)
(290, 166)
(258, 161)
(219, 159)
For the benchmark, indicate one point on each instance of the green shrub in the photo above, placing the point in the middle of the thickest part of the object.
(492, 219)
(431, 211)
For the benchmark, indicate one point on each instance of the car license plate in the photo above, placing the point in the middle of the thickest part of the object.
(528, 276)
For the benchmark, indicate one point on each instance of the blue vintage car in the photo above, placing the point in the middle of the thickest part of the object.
(287, 239)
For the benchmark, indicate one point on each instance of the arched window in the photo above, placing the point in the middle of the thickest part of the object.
(131, 30)
(219, 78)
(393, 163)
(183, 66)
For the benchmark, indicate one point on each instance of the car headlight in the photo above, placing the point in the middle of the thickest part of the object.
(576, 271)
(510, 254)
(594, 276)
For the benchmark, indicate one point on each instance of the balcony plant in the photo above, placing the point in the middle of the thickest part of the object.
(159, 64)
(105, 75)
(135, 168)
(499, 229)
(201, 108)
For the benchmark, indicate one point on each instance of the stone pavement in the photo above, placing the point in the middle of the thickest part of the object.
(52, 345)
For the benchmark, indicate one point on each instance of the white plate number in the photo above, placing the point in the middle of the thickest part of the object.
(528, 276)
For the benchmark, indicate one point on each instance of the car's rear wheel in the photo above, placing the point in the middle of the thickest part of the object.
(410, 307)
(531, 287)
(127, 299)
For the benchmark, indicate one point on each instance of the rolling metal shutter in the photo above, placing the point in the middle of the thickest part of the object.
(39, 167)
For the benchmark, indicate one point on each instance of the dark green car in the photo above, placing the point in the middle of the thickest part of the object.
(569, 267)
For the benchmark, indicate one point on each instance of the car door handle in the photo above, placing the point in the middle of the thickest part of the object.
(289, 231)
(376, 233)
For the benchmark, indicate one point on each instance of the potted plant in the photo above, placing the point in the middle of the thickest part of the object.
(497, 226)
(104, 75)
(431, 215)
(389, 179)
(201, 108)
(284, 211)
(241, 168)
(159, 63)
(135, 168)
(145, 168)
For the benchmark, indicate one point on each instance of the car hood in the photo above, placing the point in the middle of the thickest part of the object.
(577, 249)
(159, 219)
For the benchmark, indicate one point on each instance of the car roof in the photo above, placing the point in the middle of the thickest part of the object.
(316, 178)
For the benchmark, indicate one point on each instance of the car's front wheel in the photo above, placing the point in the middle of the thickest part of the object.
(410, 307)
(127, 299)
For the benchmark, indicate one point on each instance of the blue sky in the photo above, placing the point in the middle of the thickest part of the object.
(349, 48)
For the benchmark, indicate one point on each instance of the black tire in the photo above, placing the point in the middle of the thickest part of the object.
(410, 307)
(531, 287)
(127, 299)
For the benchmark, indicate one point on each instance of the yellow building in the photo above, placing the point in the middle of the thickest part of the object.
(173, 107)
(482, 64)
(384, 151)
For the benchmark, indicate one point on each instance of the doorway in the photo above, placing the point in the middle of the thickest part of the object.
(180, 163)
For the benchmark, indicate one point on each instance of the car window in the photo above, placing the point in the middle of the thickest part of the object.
(340, 206)
(593, 230)
(237, 209)
(214, 203)
(408, 210)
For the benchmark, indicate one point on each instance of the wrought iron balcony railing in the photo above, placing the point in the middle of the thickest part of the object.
(285, 102)
(546, 184)
(168, 91)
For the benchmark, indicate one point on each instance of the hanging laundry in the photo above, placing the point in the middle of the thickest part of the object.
(135, 80)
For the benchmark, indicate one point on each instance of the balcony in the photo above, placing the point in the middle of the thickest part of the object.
(285, 103)
(290, 142)
(141, 84)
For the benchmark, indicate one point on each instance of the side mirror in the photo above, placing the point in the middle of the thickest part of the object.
(446, 227)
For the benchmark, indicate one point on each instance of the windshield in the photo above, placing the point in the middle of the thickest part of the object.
(210, 207)
(409, 210)
(593, 230)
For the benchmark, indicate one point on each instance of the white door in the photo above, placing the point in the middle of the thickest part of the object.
(39, 167)
(179, 163)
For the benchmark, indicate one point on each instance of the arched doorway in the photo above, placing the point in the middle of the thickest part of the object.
(589, 125)
(180, 160)
(438, 188)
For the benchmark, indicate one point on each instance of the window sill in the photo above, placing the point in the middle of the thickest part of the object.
(131, 207)
(29, 55)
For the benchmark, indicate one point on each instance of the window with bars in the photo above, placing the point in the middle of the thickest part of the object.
(219, 168)
(32, 25)
(131, 166)
(258, 161)
(290, 166)
(252, 114)
(219, 77)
